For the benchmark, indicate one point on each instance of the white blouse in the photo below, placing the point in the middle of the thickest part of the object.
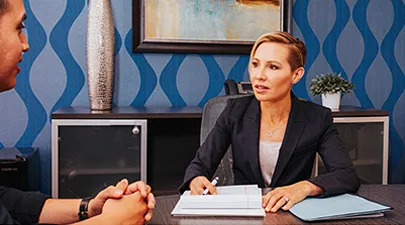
(268, 155)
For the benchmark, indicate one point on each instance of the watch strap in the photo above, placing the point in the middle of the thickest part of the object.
(83, 208)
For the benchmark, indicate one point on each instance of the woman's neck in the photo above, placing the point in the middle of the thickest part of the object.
(276, 112)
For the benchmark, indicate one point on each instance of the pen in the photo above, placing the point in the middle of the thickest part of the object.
(213, 182)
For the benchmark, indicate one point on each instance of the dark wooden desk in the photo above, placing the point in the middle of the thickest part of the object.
(392, 195)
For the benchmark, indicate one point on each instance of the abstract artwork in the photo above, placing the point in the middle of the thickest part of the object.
(205, 26)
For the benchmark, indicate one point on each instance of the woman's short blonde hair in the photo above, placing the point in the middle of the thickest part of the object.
(297, 48)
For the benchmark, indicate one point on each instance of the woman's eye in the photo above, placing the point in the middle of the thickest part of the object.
(254, 64)
(273, 67)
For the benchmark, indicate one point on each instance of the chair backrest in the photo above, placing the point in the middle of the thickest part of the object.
(237, 88)
(212, 109)
(231, 88)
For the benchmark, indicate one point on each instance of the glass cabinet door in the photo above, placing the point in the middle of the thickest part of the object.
(92, 157)
(364, 142)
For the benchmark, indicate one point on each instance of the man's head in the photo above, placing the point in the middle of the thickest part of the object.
(12, 41)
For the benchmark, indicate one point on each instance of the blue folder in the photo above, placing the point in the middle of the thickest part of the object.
(344, 206)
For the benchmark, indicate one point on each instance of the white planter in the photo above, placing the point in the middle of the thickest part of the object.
(331, 101)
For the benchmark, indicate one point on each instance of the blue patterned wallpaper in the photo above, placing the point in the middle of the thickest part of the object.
(364, 40)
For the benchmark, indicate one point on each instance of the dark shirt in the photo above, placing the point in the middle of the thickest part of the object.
(19, 207)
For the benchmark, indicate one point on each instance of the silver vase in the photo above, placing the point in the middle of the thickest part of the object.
(100, 44)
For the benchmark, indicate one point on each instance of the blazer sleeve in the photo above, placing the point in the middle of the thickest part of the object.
(341, 177)
(211, 152)
(23, 207)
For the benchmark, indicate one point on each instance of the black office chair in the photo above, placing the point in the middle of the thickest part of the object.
(231, 87)
(212, 109)
(235, 88)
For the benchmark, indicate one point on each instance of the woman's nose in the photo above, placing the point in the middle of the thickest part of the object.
(260, 74)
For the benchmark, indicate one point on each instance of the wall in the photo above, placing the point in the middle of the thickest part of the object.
(364, 40)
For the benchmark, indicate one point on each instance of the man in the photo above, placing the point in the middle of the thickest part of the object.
(121, 204)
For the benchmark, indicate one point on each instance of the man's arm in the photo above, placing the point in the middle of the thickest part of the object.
(60, 211)
(130, 209)
(24, 207)
(64, 211)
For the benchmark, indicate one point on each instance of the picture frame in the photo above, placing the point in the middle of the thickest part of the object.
(141, 43)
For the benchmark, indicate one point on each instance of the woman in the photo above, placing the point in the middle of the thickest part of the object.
(274, 135)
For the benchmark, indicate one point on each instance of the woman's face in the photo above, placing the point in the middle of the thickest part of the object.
(270, 72)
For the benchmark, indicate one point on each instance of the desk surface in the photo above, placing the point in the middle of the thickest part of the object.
(392, 195)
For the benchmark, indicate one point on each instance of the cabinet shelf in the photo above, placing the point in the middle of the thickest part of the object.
(91, 171)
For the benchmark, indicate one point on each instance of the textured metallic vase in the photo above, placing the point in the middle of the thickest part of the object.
(100, 54)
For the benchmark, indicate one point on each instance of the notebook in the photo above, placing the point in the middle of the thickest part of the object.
(236, 200)
(344, 206)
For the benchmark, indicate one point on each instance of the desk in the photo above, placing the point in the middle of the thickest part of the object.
(392, 195)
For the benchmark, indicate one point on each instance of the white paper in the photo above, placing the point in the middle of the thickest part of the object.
(237, 200)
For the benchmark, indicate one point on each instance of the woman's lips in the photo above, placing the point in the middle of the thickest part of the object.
(261, 88)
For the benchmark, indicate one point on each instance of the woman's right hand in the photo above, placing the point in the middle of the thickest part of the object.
(199, 184)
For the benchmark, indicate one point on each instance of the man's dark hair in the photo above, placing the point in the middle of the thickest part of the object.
(3, 7)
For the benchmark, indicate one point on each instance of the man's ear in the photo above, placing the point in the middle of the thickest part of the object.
(297, 74)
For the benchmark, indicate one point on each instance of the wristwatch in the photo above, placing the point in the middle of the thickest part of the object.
(84, 205)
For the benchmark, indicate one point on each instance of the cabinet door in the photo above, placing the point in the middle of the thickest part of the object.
(92, 157)
(365, 144)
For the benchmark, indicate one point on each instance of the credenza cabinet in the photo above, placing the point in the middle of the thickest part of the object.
(365, 135)
(92, 150)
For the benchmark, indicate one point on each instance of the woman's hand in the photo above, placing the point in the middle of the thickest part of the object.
(285, 197)
(199, 184)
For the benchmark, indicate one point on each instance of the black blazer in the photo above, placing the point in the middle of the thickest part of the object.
(310, 129)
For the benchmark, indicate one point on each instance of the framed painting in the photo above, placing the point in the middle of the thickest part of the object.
(205, 26)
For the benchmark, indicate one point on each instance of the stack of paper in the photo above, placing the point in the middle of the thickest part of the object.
(344, 206)
(238, 200)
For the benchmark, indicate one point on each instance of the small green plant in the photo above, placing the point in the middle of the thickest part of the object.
(330, 83)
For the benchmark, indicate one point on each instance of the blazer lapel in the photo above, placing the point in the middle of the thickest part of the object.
(294, 129)
(251, 125)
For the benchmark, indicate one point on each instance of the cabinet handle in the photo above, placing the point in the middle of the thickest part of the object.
(135, 130)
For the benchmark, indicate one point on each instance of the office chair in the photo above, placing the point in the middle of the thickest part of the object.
(235, 88)
(211, 111)
(231, 87)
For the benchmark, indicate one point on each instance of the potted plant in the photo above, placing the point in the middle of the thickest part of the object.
(330, 86)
